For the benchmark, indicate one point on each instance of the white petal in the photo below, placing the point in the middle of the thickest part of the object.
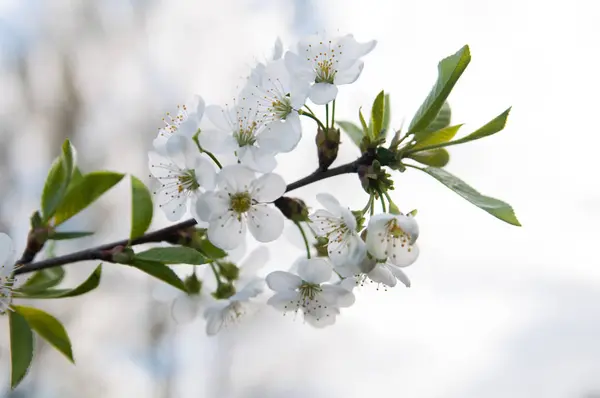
(351, 251)
(267, 188)
(236, 178)
(299, 92)
(285, 301)
(298, 68)
(349, 75)
(277, 49)
(182, 150)
(409, 225)
(400, 275)
(6, 255)
(330, 203)
(279, 136)
(382, 274)
(257, 259)
(258, 159)
(316, 270)
(323, 222)
(322, 318)
(205, 172)
(211, 205)
(219, 117)
(188, 128)
(227, 232)
(265, 222)
(174, 206)
(251, 289)
(217, 141)
(338, 296)
(198, 108)
(377, 235)
(402, 254)
(322, 93)
(214, 319)
(353, 50)
(281, 281)
(160, 166)
(185, 308)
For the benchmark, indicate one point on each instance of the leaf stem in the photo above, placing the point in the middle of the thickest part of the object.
(306, 244)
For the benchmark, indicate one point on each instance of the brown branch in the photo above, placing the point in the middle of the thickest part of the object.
(171, 233)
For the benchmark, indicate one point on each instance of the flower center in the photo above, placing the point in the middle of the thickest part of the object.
(187, 181)
(281, 107)
(245, 134)
(395, 230)
(240, 202)
(309, 291)
(172, 122)
(325, 71)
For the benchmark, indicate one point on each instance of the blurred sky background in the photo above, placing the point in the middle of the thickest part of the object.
(494, 310)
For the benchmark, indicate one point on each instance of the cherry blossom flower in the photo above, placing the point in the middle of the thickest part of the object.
(392, 238)
(181, 174)
(369, 269)
(307, 292)
(327, 63)
(338, 224)
(186, 122)
(6, 270)
(242, 202)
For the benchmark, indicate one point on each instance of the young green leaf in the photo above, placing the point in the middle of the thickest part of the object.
(353, 131)
(441, 121)
(173, 255)
(449, 70)
(43, 279)
(435, 157)
(495, 207)
(69, 235)
(438, 137)
(492, 127)
(141, 208)
(88, 285)
(48, 327)
(211, 251)
(84, 193)
(57, 181)
(387, 116)
(377, 114)
(159, 271)
(363, 123)
(21, 347)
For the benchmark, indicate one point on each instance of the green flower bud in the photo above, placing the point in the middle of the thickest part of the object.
(228, 270)
(328, 143)
(192, 284)
(292, 208)
(224, 291)
(374, 179)
(321, 246)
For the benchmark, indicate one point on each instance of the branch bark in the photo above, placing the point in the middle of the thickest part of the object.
(171, 233)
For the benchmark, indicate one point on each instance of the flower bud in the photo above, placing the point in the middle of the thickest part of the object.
(321, 246)
(192, 284)
(224, 291)
(293, 208)
(328, 143)
(374, 179)
(122, 255)
(228, 270)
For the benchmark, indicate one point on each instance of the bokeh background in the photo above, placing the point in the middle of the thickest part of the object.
(494, 310)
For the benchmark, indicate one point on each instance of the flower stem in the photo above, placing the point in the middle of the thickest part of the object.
(327, 115)
(333, 114)
(313, 117)
(304, 237)
(214, 270)
(382, 203)
(368, 206)
(210, 155)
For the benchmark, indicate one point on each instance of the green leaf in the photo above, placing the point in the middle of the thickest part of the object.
(495, 207)
(21, 347)
(387, 115)
(43, 279)
(435, 157)
(57, 181)
(210, 250)
(69, 235)
(492, 127)
(353, 131)
(363, 123)
(449, 70)
(48, 327)
(173, 255)
(88, 285)
(438, 137)
(141, 208)
(441, 121)
(159, 271)
(377, 112)
(84, 193)
(76, 177)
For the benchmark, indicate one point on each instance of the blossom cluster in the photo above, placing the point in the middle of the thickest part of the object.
(221, 171)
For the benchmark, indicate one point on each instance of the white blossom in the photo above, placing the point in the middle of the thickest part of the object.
(186, 122)
(6, 270)
(277, 97)
(369, 269)
(392, 238)
(182, 173)
(338, 224)
(327, 63)
(307, 292)
(242, 201)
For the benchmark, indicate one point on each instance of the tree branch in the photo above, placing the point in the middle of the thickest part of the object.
(171, 233)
